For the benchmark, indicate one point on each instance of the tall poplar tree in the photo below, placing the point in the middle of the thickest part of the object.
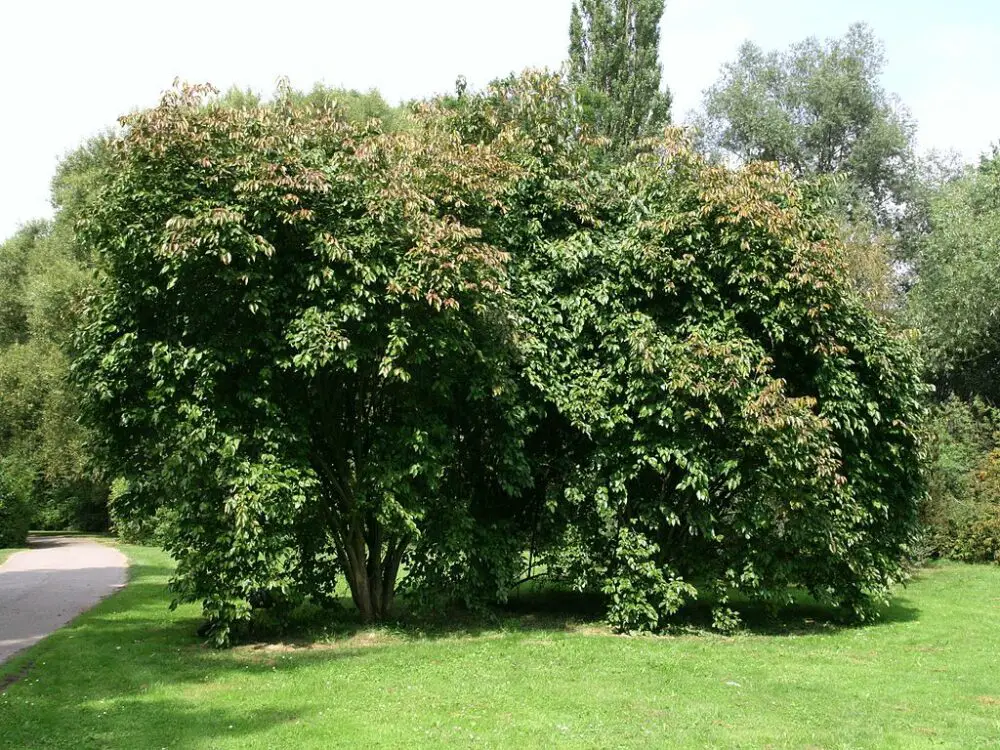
(615, 65)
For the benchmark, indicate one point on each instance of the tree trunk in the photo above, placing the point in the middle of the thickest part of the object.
(371, 565)
(370, 557)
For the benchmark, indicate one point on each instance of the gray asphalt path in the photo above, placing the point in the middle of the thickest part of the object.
(46, 586)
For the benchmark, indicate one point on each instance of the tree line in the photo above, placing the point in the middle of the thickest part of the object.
(530, 331)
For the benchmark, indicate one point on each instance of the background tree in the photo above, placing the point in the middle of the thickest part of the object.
(954, 301)
(818, 108)
(44, 462)
(953, 264)
(614, 64)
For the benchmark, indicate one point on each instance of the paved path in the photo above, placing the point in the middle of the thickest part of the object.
(43, 588)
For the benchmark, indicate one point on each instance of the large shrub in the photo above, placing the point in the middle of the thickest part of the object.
(295, 347)
(720, 411)
(330, 349)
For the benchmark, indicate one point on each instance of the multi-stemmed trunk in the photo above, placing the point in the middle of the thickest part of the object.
(370, 555)
(346, 419)
(371, 559)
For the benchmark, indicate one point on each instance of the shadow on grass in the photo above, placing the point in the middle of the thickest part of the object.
(132, 674)
(804, 616)
(560, 610)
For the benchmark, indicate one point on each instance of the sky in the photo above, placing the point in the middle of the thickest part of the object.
(69, 69)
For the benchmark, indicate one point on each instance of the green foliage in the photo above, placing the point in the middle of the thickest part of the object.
(333, 350)
(818, 108)
(954, 299)
(973, 518)
(354, 106)
(963, 434)
(979, 541)
(42, 444)
(614, 66)
(132, 520)
(335, 420)
(14, 255)
(868, 258)
(43, 275)
(15, 516)
(717, 410)
(963, 504)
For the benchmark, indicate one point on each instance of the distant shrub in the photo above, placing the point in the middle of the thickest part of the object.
(962, 512)
(978, 538)
(15, 517)
(132, 525)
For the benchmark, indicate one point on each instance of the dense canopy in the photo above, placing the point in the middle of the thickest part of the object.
(477, 345)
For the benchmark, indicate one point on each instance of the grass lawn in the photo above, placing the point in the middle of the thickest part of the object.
(131, 674)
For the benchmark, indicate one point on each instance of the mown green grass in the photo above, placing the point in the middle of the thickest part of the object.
(131, 674)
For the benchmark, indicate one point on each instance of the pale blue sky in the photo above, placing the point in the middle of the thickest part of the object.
(68, 69)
